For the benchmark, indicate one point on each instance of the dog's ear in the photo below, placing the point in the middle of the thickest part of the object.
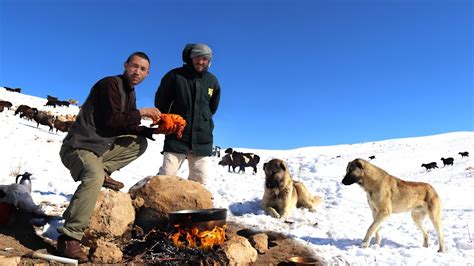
(264, 166)
(358, 163)
(282, 166)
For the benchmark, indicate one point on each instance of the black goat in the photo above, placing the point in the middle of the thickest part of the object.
(429, 166)
(51, 98)
(227, 160)
(6, 104)
(447, 161)
(28, 113)
(20, 109)
(13, 90)
(249, 160)
(244, 160)
(63, 103)
(43, 119)
(241, 160)
(372, 157)
(62, 126)
(464, 154)
(52, 103)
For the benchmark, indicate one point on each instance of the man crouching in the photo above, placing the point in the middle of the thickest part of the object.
(105, 137)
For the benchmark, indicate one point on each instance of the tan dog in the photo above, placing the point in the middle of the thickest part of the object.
(282, 194)
(387, 194)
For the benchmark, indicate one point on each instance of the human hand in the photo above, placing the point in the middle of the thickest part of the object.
(151, 112)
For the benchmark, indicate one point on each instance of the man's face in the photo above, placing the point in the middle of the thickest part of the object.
(200, 63)
(136, 70)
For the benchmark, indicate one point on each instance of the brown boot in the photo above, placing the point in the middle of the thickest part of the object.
(111, 183)
(71, 248)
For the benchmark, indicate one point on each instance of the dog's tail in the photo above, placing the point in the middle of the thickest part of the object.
(435, 208)
(317, 200)
(436, 219)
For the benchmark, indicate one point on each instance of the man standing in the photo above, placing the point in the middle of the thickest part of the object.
(192, 92)
(105, 137)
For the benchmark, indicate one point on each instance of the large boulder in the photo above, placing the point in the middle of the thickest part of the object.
(163, 194)
(112, 218)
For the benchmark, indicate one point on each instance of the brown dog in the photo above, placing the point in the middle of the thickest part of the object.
(387, 194)
(282, 194)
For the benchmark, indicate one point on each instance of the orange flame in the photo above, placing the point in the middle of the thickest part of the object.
(194, 238)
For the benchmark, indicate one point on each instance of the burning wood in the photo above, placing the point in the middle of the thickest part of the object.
(196, 238)
(193, 237)
(157, 248)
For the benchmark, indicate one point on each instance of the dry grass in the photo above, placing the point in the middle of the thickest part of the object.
(18, 170)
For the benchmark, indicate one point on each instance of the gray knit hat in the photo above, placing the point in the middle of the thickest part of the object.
(201, 50)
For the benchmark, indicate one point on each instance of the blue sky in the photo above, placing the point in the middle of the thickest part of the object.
(293, 73)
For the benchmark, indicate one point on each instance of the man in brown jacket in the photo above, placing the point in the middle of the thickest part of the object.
(105, 137)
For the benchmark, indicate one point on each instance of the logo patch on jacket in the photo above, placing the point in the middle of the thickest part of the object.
(210, 91)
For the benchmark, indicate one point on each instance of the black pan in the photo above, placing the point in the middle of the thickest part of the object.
(204, 218)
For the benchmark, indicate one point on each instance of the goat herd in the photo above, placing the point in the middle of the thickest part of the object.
(432, 165)
(446, 161)
(60, 122)
(232, 158)
(236, 159)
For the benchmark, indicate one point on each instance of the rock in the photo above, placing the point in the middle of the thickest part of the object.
(260, 242)
(163, 194)
(113, 216)
(239, 251)
(9, 261)
(138, 203)
(106, 252)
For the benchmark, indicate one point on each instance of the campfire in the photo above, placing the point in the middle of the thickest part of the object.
(193, 237)
(201, 229)
(196, 238)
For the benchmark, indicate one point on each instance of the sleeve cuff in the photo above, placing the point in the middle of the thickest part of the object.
(135, 116)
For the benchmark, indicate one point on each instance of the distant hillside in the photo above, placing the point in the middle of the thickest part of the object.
(19, 98)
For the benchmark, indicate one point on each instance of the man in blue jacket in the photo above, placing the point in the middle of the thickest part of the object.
(194, 93)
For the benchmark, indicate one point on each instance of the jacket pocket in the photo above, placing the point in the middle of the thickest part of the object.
(206, 124)
(75, 160)
(71, 159)
(205, 128)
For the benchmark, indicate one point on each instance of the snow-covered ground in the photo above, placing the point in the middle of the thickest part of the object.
(334, 232)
